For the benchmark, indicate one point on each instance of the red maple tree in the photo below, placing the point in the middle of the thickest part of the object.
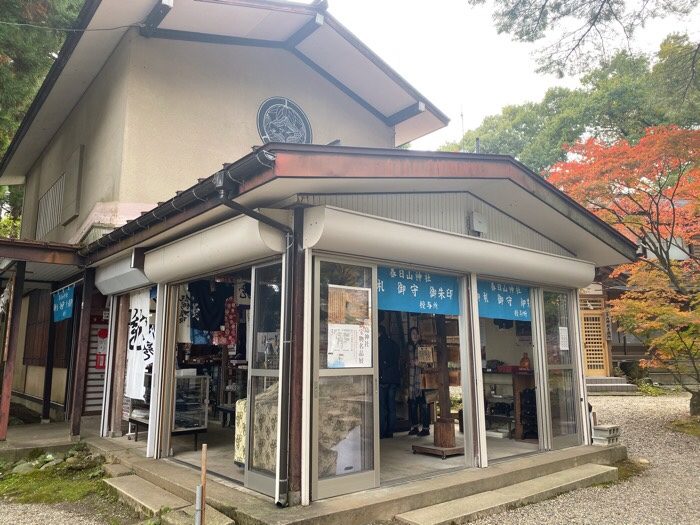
(650, 192)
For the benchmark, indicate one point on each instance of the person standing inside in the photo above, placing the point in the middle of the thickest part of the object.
(389, 381)
(417, 406)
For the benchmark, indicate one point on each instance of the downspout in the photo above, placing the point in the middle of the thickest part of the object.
(282, 499)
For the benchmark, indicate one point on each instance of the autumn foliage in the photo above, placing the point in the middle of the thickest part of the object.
(650, 192)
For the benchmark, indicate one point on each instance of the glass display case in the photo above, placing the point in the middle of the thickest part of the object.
(191, 404)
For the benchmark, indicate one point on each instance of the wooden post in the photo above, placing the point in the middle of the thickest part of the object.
(119, 364)
(296, 359)
(204, 483)
(444, 429)
(48, 369)
(442, 362)
(81, 353)
(9, 369)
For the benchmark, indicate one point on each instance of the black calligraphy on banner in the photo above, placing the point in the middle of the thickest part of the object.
(141, 336)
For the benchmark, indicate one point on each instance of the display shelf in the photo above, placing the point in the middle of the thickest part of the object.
(191, 413)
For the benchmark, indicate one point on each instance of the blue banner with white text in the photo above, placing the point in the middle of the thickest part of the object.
(499, 300)
(62, 303)
(404, 290)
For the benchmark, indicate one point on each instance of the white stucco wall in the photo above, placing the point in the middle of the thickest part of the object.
(97, 122)
(193, 106)
(163, 113)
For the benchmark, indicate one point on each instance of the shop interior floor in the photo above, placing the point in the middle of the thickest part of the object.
(219, 451)
(504, 448)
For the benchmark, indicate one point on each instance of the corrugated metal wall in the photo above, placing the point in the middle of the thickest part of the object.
(442, 211)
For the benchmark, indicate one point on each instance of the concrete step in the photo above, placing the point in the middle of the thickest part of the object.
(622, 387)
(606, 381)
(185, 516)
(145, 497)
(468, 509)
(116, 470)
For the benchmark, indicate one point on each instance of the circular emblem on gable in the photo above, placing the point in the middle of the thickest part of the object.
(281, 120)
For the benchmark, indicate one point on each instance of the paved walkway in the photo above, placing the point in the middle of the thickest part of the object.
(668, 493)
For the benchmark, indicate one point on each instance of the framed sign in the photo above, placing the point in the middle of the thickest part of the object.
(425, 354)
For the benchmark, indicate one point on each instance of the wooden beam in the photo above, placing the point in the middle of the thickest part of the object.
(411, 111)
(305, 31)
(119, 364)
(30, 251)
(81, 353)
(9, 368)
(155, 17)
(48, 369)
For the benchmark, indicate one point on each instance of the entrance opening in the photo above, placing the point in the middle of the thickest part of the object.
(508, 367)
(420, 395)
(210, 377)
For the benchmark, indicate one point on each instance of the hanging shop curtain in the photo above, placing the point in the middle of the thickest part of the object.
(140, 344)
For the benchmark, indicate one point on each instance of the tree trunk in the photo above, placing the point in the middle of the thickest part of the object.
(695, 403)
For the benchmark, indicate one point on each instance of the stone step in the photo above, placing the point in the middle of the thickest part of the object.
(116, 470)
(144, 496)
(606, 381)
(626, 387)
(185, 516)
(468, 509)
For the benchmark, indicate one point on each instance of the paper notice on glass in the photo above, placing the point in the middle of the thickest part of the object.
(349, 305)
(563, 338)
(349, 346)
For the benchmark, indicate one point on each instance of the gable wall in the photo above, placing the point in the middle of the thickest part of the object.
(193, 106)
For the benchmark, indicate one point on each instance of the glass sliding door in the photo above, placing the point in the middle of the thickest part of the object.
(345, 411)
(264, 350)
(561, 370)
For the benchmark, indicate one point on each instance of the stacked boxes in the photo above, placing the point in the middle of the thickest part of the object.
(606, 435)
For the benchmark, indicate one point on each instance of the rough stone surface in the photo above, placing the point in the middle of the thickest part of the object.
(667, 493)
(23, 468)
(52, 463)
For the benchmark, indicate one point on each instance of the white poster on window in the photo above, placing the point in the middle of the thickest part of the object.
(349, 346)
(140, 344)
(349, 327)
(563, 338)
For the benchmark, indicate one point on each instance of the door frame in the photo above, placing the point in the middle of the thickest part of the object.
(252, 479)
(576, 367)
(345, 484)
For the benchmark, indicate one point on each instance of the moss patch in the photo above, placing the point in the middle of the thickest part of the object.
(687, 425)
(52, 485)
(626, 469)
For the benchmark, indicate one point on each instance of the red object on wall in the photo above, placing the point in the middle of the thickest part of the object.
(100, 361)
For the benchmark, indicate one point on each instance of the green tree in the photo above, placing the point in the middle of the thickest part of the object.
(580, 32)
(26, 54)
(618, 100)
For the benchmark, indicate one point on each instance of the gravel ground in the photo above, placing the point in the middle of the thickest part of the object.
(89, 511)
(667, 493)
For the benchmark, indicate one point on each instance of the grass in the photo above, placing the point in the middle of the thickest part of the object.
(648, 389)
(53, 485)
(626, 470)
(688, 425)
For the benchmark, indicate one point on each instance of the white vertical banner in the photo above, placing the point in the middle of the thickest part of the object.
(140, 342)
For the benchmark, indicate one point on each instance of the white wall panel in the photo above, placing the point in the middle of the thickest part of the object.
(442, 211)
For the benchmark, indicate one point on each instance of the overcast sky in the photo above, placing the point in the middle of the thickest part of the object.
(452, 54)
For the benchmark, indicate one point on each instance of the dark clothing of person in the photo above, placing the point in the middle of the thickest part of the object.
(389, 356)
(418, 412)
(389, 381)
(210, 301)
(387, 409)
